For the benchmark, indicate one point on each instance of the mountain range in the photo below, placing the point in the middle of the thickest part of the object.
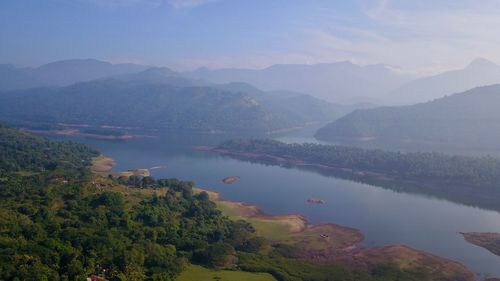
(342, 82)
(159, 98)
(276, 98)
(339, 82)
(61, 73)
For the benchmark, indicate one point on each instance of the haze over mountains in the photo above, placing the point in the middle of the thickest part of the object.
(342, 82)
(61, 73)
(159, 98)
(480, 72)
(233, 99)
(471, 118)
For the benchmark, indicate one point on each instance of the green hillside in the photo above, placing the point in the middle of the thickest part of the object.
(60, 222)
(468, 119)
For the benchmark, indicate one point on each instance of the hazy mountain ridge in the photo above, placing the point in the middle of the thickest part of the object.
(118, 103)
(160, 75)
(12, 78)
(469, 118)
(480, 72)
(62, 73)
(161, 98)
(339, 82)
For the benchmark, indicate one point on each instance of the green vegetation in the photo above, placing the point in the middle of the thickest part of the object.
(297, 270)
(469, 180)
(155, 105)
(143, 105)
(272, 229)
(470, 119)
(24, 152)
(195, 272)
(60, 222)
(290, 230)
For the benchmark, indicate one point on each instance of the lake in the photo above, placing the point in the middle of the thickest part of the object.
(384, 216)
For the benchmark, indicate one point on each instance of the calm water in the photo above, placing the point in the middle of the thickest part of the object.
(384, 216)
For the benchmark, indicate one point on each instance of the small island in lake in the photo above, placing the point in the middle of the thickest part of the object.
(230, 180)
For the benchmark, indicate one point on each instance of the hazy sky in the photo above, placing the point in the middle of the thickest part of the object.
(418, 36)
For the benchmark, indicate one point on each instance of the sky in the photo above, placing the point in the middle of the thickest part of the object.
(421, 37)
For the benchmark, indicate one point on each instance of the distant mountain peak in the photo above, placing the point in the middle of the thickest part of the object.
(161, 70)
(74, 62)
(481, 63)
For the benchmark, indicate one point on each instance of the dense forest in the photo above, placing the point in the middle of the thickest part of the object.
(60, 222)
(140, 104)
(25, 152)
(469, 180)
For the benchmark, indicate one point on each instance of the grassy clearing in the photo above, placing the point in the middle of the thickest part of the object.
(290, 229)
(102, 165)
(199, 273)
(272, 228)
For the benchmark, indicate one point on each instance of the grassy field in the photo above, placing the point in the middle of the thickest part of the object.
(102, 165)
(198, 273)
(290, 229)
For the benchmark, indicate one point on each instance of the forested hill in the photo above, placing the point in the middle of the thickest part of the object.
(145, 105)
(469, 180)
(20, 151)
(469, 119)
(58, 222)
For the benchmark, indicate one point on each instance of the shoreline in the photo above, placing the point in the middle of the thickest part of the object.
(311, 239)
(103, 166)
(486, 240)
(343, 244)
(286, 160)
(78, 133)
(76, 130)
(466, 195)
(324, 243)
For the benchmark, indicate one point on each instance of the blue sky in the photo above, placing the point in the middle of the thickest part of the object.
(416, 36)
